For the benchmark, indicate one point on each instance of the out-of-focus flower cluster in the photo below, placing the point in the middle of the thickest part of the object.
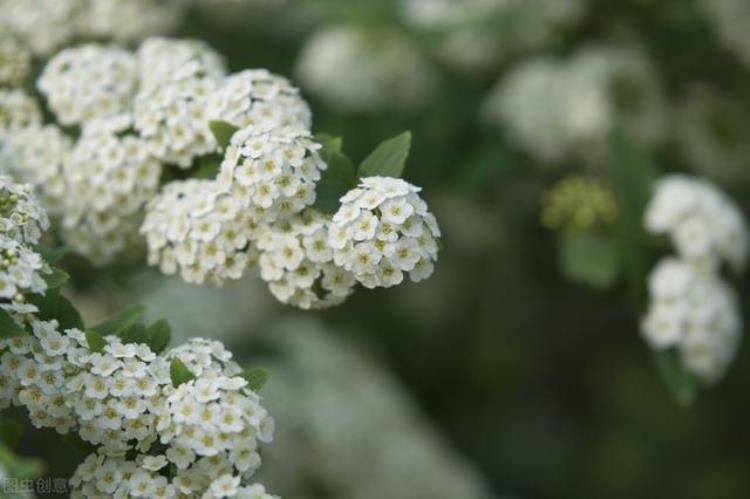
(44, 26)
(692, 308)
(559, 109)
(308, 395)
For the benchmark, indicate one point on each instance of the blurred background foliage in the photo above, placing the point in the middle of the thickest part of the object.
(514, 380)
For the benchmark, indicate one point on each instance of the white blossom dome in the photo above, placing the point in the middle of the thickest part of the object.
(557, 109)
(297, 263)
(21, 272)
(273, 170)
(261, 98)
(174, 120)
(356, 70)
(15, 62)
(165, 60)
(100, 475)
(693, 310)
(195, 228)
(36, 155)
(89, 82)
(382, 230)
(110, 176)
(22, 217)
(41, 25)
(703, 223)
(18, 110)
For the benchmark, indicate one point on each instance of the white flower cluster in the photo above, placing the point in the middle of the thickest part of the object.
(115, 476)
(466, 33)
(36, 154)
(356, 70)
(45, 25)
(382, 230)
(260, 98)
(205, 233)
(89, 82)
(296, 261)
(22, 221)
(274, 170)
(17, 111)
(22, 218)
(163, 60)
(703, 223)
(15, 61)
(730, 18)
(122, 400)
(556, 109)
(110, 177)
(711, 132)
(692, 308)
(173, 116)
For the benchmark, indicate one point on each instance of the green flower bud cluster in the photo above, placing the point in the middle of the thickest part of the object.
(578, 203)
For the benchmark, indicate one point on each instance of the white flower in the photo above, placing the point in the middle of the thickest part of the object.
(193, 227)
(109, 176)
(693, 310)
(15, 62)
(22, 217)
(297, 262)
(17, 111)
(703, 223)
(225, 486)
(163, 60)
(557, 108)
(36, 155)
(57, 17)
(383, 229)
(272, 170)
(260, 98)
(89, 82)
(356, 70)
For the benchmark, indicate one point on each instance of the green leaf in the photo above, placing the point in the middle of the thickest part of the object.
(334, 182)
(222, 131)
(56, 278)
(179, 372)
(207, 167)
(16, 466)
(330, 145)
(388, 159)
(589, 258)
(121, 321)
(8, 326)
(53, 254)
(95, 341)
(160, 335)
(10, 432)
(632, 174)
(67, 315)
(681, 385)
(256, 378)
(135, 334)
